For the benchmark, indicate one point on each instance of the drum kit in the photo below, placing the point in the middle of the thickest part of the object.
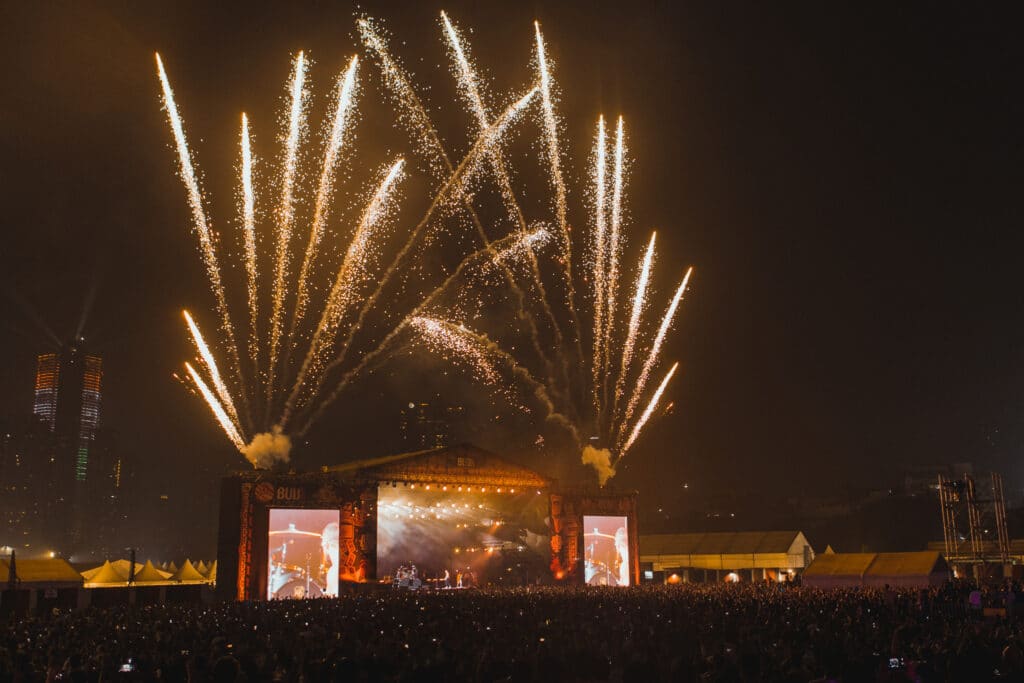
(600, 560)
(407, 577)
(297, 568)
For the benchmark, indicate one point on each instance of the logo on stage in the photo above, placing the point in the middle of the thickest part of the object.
(264, 492)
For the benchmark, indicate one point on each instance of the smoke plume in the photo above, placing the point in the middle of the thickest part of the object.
(268, 448)
(601, 460)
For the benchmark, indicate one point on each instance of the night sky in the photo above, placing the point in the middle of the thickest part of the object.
(845, 181)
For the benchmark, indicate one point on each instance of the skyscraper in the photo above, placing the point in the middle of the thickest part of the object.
(425, 425)
(67, 400)
(67, 403)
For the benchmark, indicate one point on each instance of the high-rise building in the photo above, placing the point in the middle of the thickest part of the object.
(427, 425)
(67, 400)
(67, 403)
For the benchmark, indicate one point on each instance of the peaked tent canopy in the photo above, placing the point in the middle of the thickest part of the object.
(107, 575)
(150, 574)
(187, 573)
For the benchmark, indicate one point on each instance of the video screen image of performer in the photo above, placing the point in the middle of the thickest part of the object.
(606, 551)
(302, 554)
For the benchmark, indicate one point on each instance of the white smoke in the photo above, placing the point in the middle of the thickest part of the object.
(601, 460)
(268, 448)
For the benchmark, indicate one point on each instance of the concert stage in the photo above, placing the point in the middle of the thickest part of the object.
(462, 516)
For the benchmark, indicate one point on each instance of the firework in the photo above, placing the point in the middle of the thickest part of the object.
(655, 350)
(613, 241)
(331, 359)
(249, 234)
(599, 366)
(634, 320)
(211, 366)
(646, 415)
(342, 117)
(355, 272)
(218, 410)
(351, 274)
(200, 224)
(453, 338)
(286, 211)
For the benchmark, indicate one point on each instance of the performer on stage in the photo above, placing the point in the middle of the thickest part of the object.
(329, 544)
(622, 552)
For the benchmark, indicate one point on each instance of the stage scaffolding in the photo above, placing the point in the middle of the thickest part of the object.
(974, 524)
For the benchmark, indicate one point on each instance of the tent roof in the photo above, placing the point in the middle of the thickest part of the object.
(122, 567)
(907, 564)
(187, 573)
(150, 574)
(89, 573)
(877, 564)
(171, 567)
(55, 570)
(840, 564)
(202, 568)
(108, 574)
(719, 543)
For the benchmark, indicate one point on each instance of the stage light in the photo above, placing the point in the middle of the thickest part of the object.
(460, 488)
(483, 489)
(428, 487)
(444, 488)
(499, 489)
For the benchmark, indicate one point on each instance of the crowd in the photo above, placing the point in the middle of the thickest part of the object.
(736, 632)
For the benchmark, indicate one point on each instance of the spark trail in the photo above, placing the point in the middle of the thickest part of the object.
(351, 274)
(646, 415)
(211, 366)
(218, 410)
(599, 368)
(633, 330)
(249, 234)
(614, 236)
(478, 350)
(469, 82)
(344, 104)
(286, 213)
(652, 355)
(451, 192)
(498, 251)
(207, 238)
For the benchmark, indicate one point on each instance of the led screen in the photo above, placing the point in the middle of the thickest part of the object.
(606, 550)
(302, 554)
(451, 537)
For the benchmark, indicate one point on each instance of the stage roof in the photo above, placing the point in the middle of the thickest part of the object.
(461, 464)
